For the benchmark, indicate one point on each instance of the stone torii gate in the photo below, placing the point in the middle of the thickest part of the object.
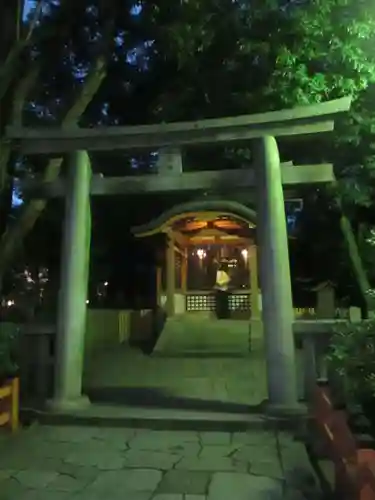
(266, 176)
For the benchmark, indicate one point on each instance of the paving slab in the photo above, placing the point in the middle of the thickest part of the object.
(159, 460)
(185, 482)
(168, 496)
(215, 438)
(196, 382)
(112, 495)
(211, 464)
(89, 463)
(214, 451)
(236, 486)
(41, 495)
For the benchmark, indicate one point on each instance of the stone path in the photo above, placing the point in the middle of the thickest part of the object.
(72, 463)
(201, 332)
(121, 373)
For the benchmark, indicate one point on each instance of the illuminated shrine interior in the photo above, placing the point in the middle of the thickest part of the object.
(210, 239)
(204, 240)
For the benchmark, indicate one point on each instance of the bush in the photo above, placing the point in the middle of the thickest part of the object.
(352, 360)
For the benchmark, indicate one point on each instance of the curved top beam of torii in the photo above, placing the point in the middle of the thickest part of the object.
(224, 207)
(301, 120)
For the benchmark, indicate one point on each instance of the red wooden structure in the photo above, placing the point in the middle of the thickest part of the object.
(354, 468)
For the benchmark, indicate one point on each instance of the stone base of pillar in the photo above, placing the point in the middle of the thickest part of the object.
(286, 418)
(68, 405)
(285, 411)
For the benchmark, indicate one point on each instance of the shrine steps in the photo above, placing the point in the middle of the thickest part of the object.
(201, 334)
(100, 415)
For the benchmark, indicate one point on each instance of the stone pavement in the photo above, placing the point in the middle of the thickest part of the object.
(201, 332)
(72, 463)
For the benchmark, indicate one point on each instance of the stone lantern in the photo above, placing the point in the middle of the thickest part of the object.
(325, 300)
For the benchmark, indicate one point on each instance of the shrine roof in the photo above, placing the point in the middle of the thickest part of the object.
(189, 218)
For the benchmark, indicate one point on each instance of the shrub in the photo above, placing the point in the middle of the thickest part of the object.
(352, 359)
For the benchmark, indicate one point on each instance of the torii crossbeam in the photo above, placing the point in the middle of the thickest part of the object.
(292, 122)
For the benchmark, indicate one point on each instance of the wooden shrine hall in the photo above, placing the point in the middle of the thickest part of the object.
(195, 241)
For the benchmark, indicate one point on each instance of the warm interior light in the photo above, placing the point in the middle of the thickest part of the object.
(245, 253)
(201, 254)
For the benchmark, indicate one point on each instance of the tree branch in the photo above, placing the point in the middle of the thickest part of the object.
(15, 233)
(355, 259)
(9, 69)
(20, 95)
(37, 13)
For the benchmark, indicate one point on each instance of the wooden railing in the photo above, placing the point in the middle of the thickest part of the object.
(239, 300)
(331, 437)
(37, 354)
(36, 360)
(37, 349)
(9, 404)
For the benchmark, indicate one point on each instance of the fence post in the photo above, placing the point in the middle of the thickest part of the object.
(309, 362)
(42, 368)
(14, 410)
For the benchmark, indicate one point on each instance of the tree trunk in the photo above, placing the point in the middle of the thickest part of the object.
(14, 87)
(357, 264)
(15, 233)
(10, 18)
(15, 113)
(9, 22)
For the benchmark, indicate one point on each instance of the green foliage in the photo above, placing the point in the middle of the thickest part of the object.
(195, 59)
(220, 58)
(366, 244)
(330, 53)
(352, 358)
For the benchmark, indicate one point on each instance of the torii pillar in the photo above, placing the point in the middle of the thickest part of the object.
(255, 320)
(72, 307)
(277, 304)
(170, 274)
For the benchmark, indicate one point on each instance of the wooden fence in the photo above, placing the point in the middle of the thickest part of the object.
(37, 351)
(35, 357)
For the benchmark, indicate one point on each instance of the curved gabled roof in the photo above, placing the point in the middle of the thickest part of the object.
(194, 209)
